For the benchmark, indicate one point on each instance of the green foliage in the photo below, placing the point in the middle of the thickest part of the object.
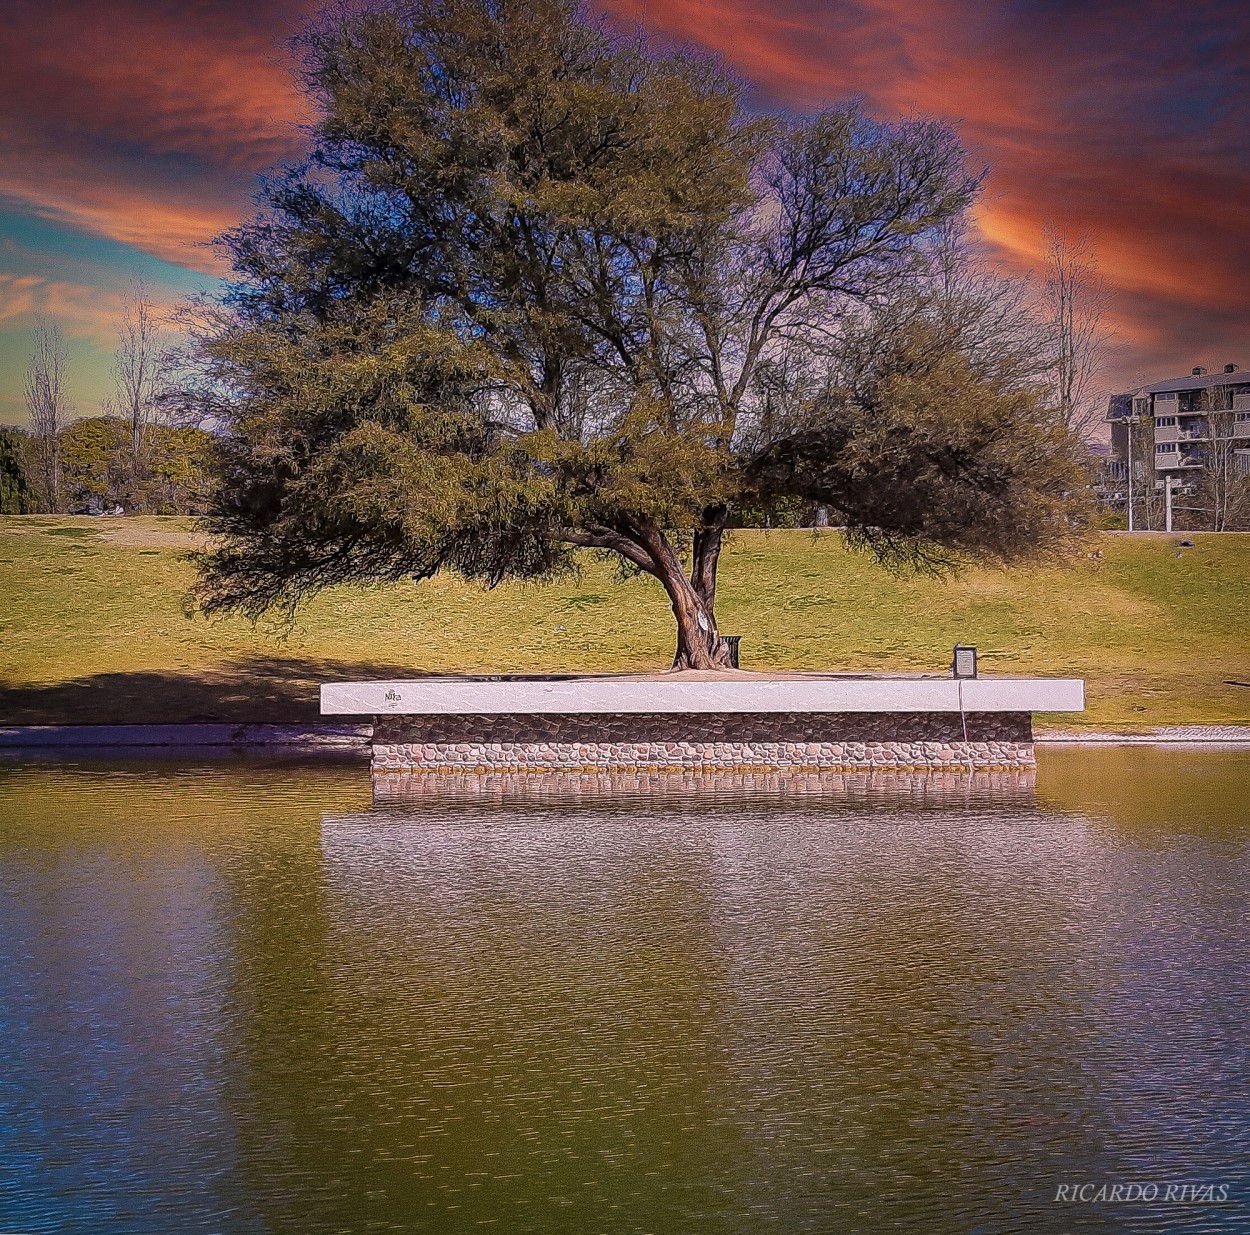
(929, 462)
(172, 475)
(17, 496)
(535, 289)
(357, 453)
(95, 461)
(177, 470)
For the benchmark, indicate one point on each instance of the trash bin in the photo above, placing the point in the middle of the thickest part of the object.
(730, 644)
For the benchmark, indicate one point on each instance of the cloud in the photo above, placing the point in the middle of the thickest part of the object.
(146, 121)
(83, 311)
(1129, 121)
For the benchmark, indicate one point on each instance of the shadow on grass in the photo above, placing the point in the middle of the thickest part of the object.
(271, 690)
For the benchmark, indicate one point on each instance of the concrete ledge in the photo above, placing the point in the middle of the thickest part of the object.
(699, 693)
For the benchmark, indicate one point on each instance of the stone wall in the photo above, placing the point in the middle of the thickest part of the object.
(801, 740)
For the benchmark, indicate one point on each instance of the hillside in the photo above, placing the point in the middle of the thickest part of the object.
(92, 627)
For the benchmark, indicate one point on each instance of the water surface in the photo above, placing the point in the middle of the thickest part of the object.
(245, 997)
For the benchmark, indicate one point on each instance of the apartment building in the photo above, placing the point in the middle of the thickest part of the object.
(1183, 424)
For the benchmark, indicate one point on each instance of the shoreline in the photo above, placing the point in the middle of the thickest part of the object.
(347, 738)
(1170, 735)
(295, 739)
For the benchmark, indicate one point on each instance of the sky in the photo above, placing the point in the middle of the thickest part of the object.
(133, 131)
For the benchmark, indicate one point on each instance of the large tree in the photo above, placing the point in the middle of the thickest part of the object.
(539, 290)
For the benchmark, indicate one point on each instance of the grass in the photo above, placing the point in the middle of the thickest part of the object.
(92, 627)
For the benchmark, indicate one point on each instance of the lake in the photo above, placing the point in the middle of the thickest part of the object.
(244, 997)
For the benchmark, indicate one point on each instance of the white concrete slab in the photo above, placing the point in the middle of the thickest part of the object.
(718, 693)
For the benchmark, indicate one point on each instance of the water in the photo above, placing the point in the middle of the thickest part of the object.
(244, 998)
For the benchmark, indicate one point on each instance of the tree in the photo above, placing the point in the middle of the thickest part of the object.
(180, 467)
(95, 462)
(1223, 483)
(141, 374)
(47, 401)
(1149, 495)
(16, 496)
(1075, 298)
(97, 469)
(539, 291)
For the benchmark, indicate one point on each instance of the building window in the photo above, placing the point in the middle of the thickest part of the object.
(1165, 421)
(1165, 448)
(1243, 415)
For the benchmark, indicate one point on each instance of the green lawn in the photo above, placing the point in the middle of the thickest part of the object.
(92, 627)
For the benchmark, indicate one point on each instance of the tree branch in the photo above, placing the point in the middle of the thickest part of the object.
(605, 538)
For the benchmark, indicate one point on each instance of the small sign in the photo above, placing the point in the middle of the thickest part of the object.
(964, 662)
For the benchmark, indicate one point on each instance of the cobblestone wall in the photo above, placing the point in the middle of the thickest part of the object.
(805, 740)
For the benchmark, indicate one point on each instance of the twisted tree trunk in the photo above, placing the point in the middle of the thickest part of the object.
(692, 596)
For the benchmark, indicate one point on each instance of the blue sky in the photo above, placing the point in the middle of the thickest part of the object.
(78, 277)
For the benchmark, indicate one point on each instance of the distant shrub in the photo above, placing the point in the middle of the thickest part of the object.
(16, 494)
(170, 477)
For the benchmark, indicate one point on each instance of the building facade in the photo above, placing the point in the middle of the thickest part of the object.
(1183, 433)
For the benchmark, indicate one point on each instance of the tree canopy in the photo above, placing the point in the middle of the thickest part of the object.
(539, 289)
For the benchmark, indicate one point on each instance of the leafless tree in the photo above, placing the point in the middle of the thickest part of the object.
(1148, 482)
(1224, 487)
(1075, 297)
(47, 400)
(140, 365)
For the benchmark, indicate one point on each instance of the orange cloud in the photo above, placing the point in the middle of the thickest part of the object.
(146, 121)
(83, 310)
(1128, 121)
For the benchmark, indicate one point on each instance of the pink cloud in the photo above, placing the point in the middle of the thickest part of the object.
(147, 122)
(1129, 121)
(83, 310)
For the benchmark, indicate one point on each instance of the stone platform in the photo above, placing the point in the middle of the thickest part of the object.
(702, 721)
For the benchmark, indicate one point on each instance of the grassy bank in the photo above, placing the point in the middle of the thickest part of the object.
(92, 627)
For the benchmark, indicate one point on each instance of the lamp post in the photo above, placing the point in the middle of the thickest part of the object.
(1130, 420)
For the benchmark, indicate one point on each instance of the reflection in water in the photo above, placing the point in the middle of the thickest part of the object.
(245, 999)
(564, 789)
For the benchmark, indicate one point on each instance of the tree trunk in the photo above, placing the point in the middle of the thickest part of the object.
(698, 640)
(704, 561)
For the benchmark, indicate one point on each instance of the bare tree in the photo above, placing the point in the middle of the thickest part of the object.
(140, 365)
(1224, 487)
(1148, 481)
(47, 401)
(1074, 300)
(995, 318)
